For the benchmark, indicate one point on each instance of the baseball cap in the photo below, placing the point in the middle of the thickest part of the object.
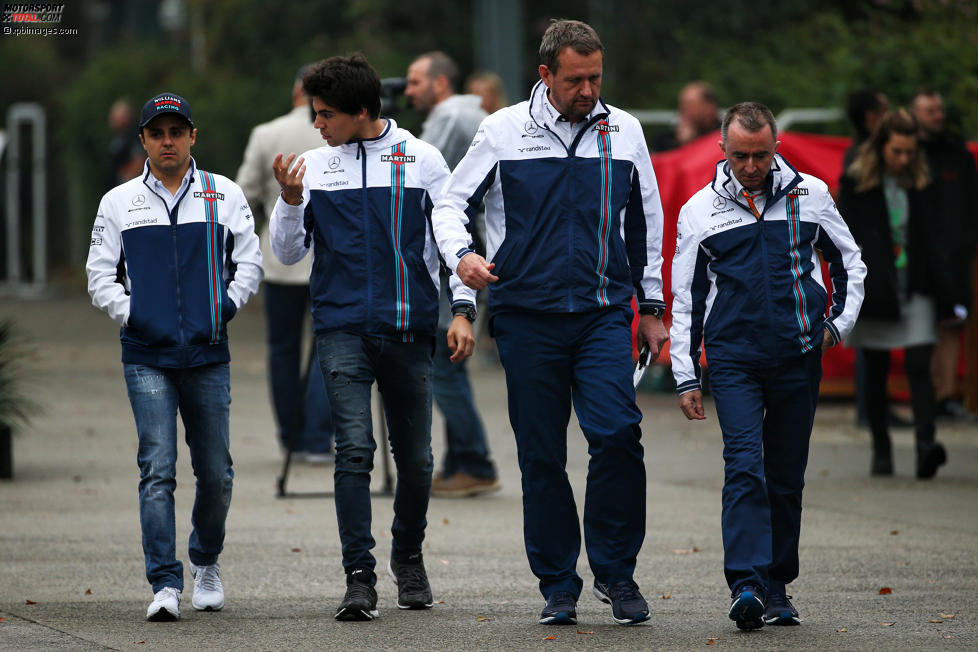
(165, 103)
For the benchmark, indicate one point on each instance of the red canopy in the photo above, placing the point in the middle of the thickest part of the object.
(681, 172)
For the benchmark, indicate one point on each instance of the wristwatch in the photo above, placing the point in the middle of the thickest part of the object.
(467, 310)
(655, 311)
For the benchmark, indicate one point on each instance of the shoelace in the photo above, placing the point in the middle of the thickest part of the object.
(624, 591)
(359, 591)
(164, 592)
(412, 577)
(209, 578)
(562, 598)
(779, 600)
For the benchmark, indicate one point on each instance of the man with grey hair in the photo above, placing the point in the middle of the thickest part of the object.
(574, 230)
(746, 280)
(452, 121)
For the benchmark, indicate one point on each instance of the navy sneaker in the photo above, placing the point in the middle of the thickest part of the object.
(360, 601)
(747, 608)
(628, 607)
(560, 609)
(780, 611)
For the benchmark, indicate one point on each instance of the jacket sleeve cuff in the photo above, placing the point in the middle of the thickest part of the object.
(833, 332)
(688, 386)
(452, 260)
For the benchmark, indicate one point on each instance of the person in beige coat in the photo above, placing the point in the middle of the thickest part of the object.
(301, 412)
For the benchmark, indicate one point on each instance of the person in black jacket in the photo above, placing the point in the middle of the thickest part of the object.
(887, 200)
(955, 178)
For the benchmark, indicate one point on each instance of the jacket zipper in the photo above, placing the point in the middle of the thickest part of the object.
(173, 216)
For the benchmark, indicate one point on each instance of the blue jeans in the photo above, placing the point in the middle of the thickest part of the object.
(202, 395)
(766, 417)
(466, 450)
(302, 413)
(553, 361)
(351, 363)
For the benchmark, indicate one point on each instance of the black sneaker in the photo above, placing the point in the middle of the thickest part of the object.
(413, 590)
(780, 611)
(929, 457)
(747, 608)
(360, 601)
(560, 609)
(628, 607)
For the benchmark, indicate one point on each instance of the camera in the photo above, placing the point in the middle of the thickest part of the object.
(391, 89)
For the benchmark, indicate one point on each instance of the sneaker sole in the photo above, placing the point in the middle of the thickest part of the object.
(634, 620)
(416, 605)
(163, 616)
(783, 620)
(356, 615)
(562, 618)
(747, 612)
(208, 607)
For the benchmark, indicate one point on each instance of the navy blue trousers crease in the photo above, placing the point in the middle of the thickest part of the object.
(554, 361)
(766, 416)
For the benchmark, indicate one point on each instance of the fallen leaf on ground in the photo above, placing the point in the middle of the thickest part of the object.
(946, 616)
(712, 640)
(441, 602)
(140, 642)
(947, 636)
(444, 561)
(29, 602)
(886, 590)
(667, 596)
(88, 592)
(445, 521)
(2, 619)
(482, 619)
(580, 632)
(887, 624)
(549, 638)
(842, 629)
(685, 551)
(894, 532)
(936, 621)
(296, 549)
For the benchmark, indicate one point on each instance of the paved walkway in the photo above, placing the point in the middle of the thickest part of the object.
(71, 572)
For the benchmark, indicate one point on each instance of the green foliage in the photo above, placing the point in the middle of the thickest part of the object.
(786, 53)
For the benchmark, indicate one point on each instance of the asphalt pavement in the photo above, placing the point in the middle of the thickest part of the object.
(886, 563)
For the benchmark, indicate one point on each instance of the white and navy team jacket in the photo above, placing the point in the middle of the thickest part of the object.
(366, 208)
(174, 278)
(751, 287)
(571, 226)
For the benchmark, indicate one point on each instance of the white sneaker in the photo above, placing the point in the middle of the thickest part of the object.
(208, 590)
(165, 605)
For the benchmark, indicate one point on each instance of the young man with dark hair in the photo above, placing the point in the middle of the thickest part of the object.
(574, 227)
(363, 203)
(173, 257)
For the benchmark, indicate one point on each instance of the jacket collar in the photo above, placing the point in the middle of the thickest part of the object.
(782, 178)
(387, 138)
(543, 113)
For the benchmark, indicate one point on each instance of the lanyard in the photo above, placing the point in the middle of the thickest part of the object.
(750, 203)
